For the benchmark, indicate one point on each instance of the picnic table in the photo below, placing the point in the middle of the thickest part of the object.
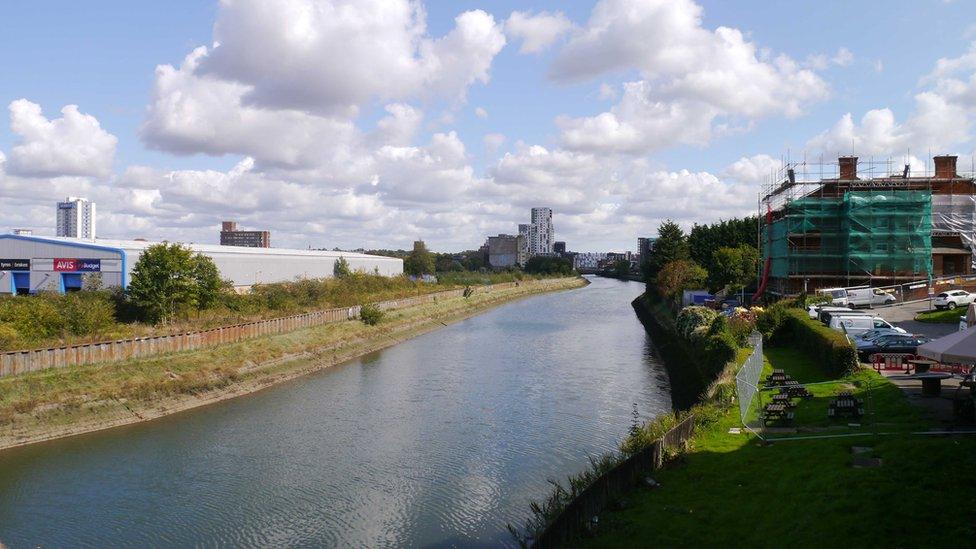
(845, 405)
(795, 390)
(931, 382)
(783, 398)
(921, 365)
(776, 412)
(778, 377)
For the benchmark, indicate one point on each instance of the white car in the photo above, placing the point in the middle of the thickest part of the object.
(953, 299)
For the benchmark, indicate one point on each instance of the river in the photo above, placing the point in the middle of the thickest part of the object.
(438, 441)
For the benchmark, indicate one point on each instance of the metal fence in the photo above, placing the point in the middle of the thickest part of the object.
(747, 379)
(19, 362)
(579, 513)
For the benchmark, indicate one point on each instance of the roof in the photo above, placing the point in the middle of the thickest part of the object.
(948, 251)
(139, 245)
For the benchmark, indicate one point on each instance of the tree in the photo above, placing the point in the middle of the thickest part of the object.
(705, 239)
(733, 268)
(679, 275)
(671, 245)
(209, 285)
(164, 281)
(341, 268)
(621, 268)
(548, 265)
(420, 261)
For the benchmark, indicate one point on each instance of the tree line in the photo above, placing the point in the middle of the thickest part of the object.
(718, 256)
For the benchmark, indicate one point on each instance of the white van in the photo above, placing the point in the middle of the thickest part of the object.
(857, 324)
(868, 297)
(838, 296)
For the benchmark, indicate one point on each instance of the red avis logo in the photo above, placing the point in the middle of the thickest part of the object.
(61, 264)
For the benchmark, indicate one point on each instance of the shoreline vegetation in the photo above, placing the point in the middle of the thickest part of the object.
(52, 320)
(57, 403)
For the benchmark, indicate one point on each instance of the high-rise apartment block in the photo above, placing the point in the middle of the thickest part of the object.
(230, 236)
(76, 218)
(542, 236)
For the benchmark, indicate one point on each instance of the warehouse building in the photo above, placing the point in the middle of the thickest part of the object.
(844, 224)
(29, 264)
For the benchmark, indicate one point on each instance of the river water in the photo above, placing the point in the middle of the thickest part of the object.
(438, 441)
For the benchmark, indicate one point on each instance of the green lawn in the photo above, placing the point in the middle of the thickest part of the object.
(734, 490)
(947, 316)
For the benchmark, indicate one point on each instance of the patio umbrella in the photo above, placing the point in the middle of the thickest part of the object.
(971, 315)
(957, 347)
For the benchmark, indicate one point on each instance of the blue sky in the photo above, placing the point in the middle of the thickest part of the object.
(165, 159)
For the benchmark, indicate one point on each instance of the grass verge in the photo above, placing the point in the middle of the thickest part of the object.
(731, 489)
(61, 402)
(948, 316)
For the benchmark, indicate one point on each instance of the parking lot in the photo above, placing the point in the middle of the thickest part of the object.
(903, 316)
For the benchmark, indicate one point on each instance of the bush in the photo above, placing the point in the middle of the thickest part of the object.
(371, 315)
(692, 317)
(829, 348)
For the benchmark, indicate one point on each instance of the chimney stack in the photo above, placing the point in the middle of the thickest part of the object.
(848, 167)
(945, 167)
(229, 226)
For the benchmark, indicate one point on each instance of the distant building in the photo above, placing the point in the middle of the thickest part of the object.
(34, 264)
(76, 218)
(541, 233)
(22, 232)
(588, 260)
(506, 251)
(559, 248)
(645, 246)
(230, 236)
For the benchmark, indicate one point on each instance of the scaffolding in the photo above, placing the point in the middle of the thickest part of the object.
(844, 223)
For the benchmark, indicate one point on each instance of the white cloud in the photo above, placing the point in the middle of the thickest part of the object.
(481, 113)
(942, 117)
(536, 31)
(332, 56)
(753, 169)
(843, 57)
(607, 92)
(694, 80)
(493, 142)
(74, 144)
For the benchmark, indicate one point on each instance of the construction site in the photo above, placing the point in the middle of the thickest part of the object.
(876, 223)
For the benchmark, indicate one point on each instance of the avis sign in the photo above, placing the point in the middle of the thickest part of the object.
(72, 265)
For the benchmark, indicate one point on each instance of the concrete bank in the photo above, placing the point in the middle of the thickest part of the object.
(64, 402)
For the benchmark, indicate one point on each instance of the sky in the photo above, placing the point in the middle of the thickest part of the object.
(374, 123)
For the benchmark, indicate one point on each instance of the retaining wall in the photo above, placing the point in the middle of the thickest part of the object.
(565, 530)
(19, 362)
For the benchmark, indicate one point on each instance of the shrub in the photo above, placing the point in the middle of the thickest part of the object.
(371, 315)
(692, 317)
(829, 348)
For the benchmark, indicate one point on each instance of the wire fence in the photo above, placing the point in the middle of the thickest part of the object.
(747, 379)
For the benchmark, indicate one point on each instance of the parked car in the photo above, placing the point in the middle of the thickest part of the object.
(853, 325)
(838, 296)
(868, 297)
(900, 344)
(826, 317)
(871, 335)
(953, 299)
(824, 311)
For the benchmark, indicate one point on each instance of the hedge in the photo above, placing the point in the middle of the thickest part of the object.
(830, 348)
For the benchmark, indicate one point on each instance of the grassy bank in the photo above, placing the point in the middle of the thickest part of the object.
(731, 489)
(941, 317)
(60, 402)
(53, 320)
